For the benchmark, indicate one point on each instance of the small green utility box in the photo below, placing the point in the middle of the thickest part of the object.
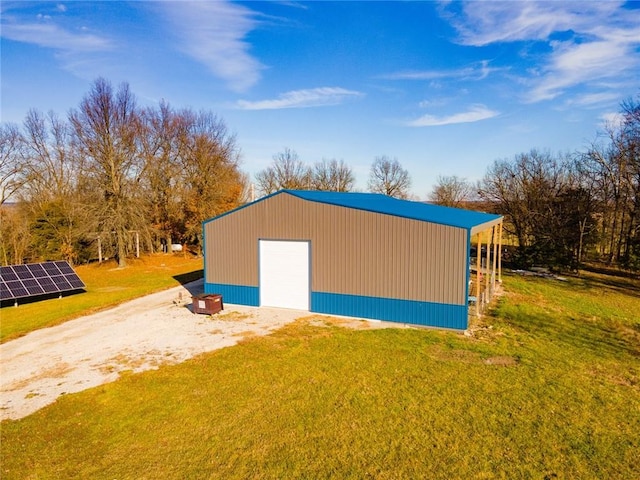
(207, 303)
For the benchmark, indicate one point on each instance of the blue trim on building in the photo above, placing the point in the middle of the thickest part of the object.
(238, 294)
(391, 309)
(376, 308)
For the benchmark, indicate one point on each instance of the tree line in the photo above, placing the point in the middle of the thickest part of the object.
(564, 209)
(287, 171)
(112, 173)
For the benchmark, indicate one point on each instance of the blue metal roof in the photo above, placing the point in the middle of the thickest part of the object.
(378, 203)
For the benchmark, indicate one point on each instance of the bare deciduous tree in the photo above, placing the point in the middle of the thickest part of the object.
(210, 162)
(107, 135)
(389, 178)
(51, 195)
(451, 191)
(162, 141)
(285, 172)
(613, 165)
(332, 175)
(11, 161)
(15, 234)
(546, 208)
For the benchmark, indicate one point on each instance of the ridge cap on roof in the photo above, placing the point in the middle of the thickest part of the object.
(425, 212)
(422, 211)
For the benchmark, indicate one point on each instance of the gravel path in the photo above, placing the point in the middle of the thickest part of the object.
(138, 335)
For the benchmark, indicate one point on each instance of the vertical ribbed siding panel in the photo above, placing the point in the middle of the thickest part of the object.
(353, 252)
(238, 294)
(391, 309)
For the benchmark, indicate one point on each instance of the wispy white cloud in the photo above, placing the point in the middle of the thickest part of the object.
(484, 23)
(591, 99)
(314, 97)
(475, 113)
(214, 34)
(50, 35)
(575, 64)
(599, 40)
(475, 72)
(77, 48)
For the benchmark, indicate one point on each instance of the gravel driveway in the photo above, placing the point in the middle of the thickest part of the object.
(138, 335)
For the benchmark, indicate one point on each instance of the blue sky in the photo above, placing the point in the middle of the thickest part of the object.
(445, 87)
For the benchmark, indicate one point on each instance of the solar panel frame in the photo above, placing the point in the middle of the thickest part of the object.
(32, 286)
(23, 273)
(51, 268)
(7, 273)
(5, 294)
(16, 288)
(37, 270)
(75, 281)
(47, 285)
(61, 282)
(35, 279)
(64, 268)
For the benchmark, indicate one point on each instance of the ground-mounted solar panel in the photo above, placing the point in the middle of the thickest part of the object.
(35, 279)
(37, 270)
(7, 273)
(4, 291)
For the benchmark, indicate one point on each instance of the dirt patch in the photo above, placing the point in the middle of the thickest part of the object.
(232, 316)
(344, 322)
(454, 355)
(57, 371)
(502, 361)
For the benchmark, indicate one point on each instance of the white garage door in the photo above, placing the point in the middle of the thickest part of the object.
(284, 274)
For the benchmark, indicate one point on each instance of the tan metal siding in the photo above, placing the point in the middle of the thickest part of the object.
(353, 251)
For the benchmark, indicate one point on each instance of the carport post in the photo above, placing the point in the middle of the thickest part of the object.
(495, 258)
(478, 254)
(487, 292)
(500, 254)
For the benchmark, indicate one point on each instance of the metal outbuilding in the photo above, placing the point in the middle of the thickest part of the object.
(354, 254)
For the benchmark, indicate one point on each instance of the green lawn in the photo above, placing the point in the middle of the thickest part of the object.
(107, 286)
(547, 387)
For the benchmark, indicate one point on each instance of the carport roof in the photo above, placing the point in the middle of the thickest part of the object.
(378, 203)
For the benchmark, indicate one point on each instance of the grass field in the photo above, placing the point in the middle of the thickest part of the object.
(547, 387)
(107, 286)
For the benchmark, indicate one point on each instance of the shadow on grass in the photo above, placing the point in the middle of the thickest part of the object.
(599, 337)
(626, 286)
(589, 281)
(604, 270)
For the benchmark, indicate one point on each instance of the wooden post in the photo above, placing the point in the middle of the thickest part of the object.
(478, 254)
(500, 255)
(487, 293)
(495, 258)
(137, 244)
(99, 251)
